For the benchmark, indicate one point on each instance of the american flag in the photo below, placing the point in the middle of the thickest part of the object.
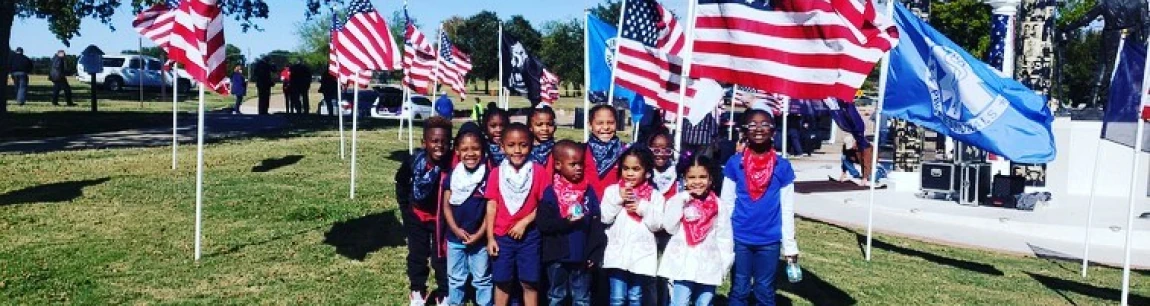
(365, 44)
(155, 23)
(749, 97)
(197, 41)
(805, 49)
(332, 56)
(549, 87)
(999, 28)
(418, 59)
(648, 59)
(453, 66)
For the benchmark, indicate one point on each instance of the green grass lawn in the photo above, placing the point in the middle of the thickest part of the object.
(116, 227)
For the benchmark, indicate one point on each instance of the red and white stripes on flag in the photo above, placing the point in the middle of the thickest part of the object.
(365, 45)
(453, 66)
(648, 60)
(418, 60)
(197, 41)
(332, 56)
(804, 49)
(155, 23)
(549, 87)
(750, 97)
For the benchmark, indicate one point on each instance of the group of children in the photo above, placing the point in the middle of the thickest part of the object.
(516, 211)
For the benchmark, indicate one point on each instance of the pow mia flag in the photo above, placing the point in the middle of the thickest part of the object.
(521, 70)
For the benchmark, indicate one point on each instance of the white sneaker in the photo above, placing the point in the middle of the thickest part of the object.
(417, 299)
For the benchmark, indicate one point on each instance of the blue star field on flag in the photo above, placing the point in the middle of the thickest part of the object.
(998, 40)
(640, 22)
(445, 48)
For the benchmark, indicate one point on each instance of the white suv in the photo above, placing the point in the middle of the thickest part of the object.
(132, 71)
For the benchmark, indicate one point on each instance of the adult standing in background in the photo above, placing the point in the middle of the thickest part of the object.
(58, 74)
(239, 87)
(329, 88)
(264, 84)
(300, 84)
(19, 66)
(285, 76)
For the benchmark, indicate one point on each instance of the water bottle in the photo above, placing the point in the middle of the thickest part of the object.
(577, 211)
(794, 272)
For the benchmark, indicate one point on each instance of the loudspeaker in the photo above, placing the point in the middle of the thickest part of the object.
(1005, 190)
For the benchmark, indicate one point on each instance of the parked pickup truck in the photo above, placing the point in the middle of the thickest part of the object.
(133, 71)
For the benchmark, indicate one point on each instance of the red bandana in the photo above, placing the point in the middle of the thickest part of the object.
(758, 169)
(642, 193)
(699, 217)
(569, 194)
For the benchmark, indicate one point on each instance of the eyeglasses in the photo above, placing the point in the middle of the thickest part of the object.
(663, 151)
(761, 125)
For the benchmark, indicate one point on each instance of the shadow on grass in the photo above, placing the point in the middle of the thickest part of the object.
(938, 259)
(356, 238)
(812, 289)
(49, 193)
(1061, 286)
(276, 163)
(237, 248)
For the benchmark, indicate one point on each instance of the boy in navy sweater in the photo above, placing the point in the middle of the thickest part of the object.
(568, 218)
(418, 193)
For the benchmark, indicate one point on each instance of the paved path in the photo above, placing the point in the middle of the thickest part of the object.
(217, 125)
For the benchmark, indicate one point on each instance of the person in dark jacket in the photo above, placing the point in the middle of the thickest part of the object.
(58, 74)
(419, 196)
(568, 218)
(239, 87)
(300, 79)
(329, 88)
(19, 66)
(264, 84)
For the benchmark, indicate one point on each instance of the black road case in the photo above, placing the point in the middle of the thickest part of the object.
(938, 177)
(974, 188)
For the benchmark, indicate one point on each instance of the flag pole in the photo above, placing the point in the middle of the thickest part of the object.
(175, 110)
(339, 93)
(407, 114)
(614, 66)
(884, 75)
(1094, 172)
(499, 54)
(786, 113)
(586, 74)
(200, 173)
(435, 73)
(683, 78)
(143, 68)
(1138, 139)
(354, 132)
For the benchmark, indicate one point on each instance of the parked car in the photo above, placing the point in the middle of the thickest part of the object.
(385, 102)
(133, 71)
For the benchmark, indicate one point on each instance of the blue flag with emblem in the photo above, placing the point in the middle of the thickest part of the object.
(938, 85)
(600, 56)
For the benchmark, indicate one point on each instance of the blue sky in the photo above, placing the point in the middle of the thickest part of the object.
(33, 35)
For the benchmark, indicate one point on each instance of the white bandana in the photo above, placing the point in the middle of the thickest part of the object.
(665, 180)
(515, 185)
(464, 183)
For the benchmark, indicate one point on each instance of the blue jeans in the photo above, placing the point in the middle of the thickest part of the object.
(569, 279)
(685, 292)
(464, 261)
(21, 81)
(754, 271)
(627, 287)
(850, 168)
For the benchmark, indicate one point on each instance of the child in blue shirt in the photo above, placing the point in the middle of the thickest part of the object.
(464, 208)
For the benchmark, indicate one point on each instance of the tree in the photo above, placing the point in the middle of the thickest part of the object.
(563, 49)
(608, 11)
(479, 35)
(966, 22)
(234, 55)
(64, 18)
(279, 58)
(527, 34)
(314, 35)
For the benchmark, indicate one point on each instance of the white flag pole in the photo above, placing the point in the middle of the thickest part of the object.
(407, 114)
(614, 64)
(354, 133)
(882, 80)
(683, 78)
(339, 98)
(175, 110)
(199, 172)
(786, 113)
(1134, 172)
(731, 122)
(435, 72)
(499, 54)
(586, 74)
(143, 69)
(1094, 172)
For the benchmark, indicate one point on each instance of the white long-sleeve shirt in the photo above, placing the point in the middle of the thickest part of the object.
(705, 263)
(630, 243)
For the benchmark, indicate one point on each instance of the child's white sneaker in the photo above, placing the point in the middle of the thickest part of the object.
(417, 299)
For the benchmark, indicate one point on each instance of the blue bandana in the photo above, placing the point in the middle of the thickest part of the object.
(424, 176)
(605, 153)
(541, 151)
(495, 153)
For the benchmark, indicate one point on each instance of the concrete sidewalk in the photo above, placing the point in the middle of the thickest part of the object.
(1055, 230)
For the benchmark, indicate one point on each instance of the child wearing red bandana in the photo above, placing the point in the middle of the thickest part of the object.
(569, 219)
(632, 211)
(759, 184)
(699, 254)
